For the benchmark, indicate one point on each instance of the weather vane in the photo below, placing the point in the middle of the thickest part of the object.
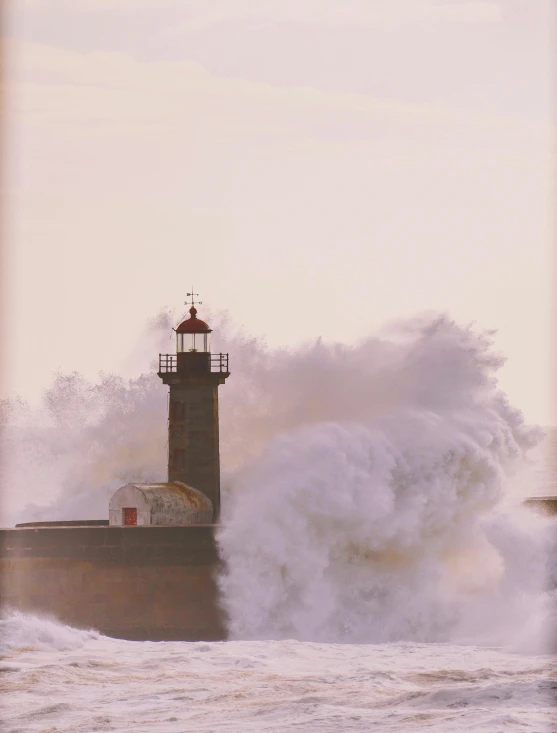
(193, 302)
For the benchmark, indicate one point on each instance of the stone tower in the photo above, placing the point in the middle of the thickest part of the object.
(193, 375)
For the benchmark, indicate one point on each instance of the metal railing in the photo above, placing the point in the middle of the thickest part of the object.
(169, 363)
(219, 363)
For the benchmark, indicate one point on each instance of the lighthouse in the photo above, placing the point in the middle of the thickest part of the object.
(193, 375)
(191, 494)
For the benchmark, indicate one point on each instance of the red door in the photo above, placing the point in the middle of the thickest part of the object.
(130, 516)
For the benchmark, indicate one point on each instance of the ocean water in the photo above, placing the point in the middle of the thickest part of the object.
(55, 678)
(381, 570)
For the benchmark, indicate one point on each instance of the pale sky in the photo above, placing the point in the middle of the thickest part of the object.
(315, 167)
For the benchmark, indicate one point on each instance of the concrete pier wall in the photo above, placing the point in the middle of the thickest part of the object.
(543, 504)
(145, 583)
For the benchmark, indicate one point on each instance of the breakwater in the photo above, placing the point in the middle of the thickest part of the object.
(543, 504)
(144, 583)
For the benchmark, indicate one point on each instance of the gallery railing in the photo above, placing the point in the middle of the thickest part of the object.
(169, 362)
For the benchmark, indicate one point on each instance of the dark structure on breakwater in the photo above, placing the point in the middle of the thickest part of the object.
(149, 572)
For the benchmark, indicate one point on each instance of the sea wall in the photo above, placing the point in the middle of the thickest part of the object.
(543, 504)
(145, 583)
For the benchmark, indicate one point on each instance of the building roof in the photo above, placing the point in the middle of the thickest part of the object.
(193, 324)
(159, 494)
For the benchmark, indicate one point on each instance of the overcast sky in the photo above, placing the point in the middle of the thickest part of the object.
(316, 167)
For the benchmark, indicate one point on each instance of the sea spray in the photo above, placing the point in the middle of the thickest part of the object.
(366, 516)
(353, 533)
(64, 458)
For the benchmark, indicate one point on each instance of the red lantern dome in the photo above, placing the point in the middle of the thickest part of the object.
(193, 324)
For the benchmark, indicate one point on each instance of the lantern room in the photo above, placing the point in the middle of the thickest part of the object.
(193, 334)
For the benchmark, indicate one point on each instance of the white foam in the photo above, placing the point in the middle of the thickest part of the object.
(22, 631)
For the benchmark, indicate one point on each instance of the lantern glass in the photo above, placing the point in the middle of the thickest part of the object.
(193, 342)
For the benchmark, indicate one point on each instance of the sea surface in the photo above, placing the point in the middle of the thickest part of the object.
(55, 678)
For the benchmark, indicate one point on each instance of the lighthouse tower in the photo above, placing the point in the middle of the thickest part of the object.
(193, 375)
